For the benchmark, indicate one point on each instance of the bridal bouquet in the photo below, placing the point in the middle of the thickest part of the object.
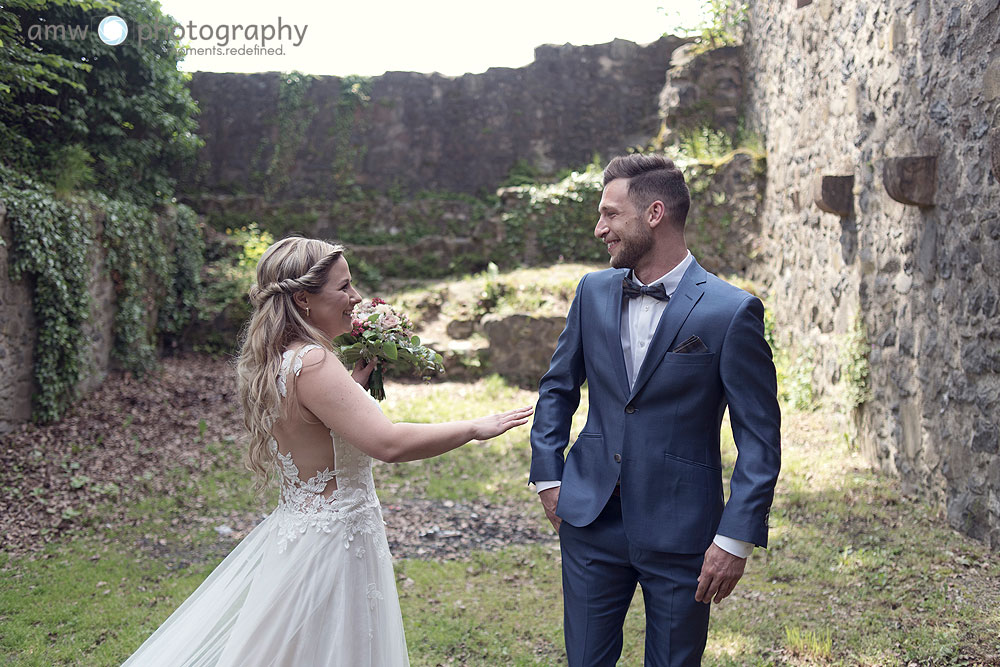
(380, 332)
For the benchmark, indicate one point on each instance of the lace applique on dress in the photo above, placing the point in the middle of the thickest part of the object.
(288, 594)
(374, 595)
(302, 505)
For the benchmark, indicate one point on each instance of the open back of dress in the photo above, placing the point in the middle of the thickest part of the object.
(312, 584)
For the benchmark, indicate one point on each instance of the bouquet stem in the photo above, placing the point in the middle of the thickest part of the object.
(376, 383)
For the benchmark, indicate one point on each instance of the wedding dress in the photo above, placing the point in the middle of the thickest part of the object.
(311, 585)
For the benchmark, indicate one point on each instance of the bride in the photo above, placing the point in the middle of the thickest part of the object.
(312, 584)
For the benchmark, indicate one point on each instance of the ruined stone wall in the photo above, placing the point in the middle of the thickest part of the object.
(18, 333)
(17, 338)
(841, 89)
(424, 131)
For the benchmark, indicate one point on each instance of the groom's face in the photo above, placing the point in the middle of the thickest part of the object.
(621, 227)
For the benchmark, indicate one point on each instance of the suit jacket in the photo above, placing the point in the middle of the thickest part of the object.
(661, 437)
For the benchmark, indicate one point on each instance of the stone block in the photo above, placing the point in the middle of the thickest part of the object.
(461, 329)
(834, 194)
(521, 346)
(991, 80)
(702, 89)
(825, 8)
(911, 180)
(994, 139)
(896, 35)
(17, 338)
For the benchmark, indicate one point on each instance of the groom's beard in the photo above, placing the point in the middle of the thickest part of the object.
(632, 248)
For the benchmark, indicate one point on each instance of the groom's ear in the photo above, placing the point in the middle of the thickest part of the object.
(656, 214)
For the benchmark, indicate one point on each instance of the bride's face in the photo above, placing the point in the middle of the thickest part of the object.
(330, 308)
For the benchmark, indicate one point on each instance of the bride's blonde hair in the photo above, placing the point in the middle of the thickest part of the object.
(291, 265)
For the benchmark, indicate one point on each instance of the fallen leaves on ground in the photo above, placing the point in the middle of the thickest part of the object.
(112, 448)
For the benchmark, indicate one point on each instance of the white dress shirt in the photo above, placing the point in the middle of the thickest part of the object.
(640, 317)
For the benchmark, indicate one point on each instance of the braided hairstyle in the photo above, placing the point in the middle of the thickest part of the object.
(291, 265)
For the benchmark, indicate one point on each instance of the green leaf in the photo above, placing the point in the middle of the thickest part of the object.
(350, 354)
(389, 350)
(415, 341)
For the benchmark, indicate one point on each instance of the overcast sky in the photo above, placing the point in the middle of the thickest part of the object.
(447, 36)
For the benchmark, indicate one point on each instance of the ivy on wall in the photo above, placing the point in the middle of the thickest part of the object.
(75, 116)
(52, 242)
(184, 267)
(556, 215)
(139, 269)
(78, 110)
(292, 120)
(855, 367)
(355, 95)
(275, 156)
(52, 239)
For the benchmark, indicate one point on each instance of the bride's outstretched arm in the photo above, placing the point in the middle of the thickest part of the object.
(327, 390)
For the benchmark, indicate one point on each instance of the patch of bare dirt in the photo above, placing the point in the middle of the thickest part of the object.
(449, 530)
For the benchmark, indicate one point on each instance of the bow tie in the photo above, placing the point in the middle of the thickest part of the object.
(631, 290)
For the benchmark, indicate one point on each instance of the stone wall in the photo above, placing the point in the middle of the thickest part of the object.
(98, 330)
(842, 89)
(704, 90)
(18, 333)
(418, 132)
(17, 338)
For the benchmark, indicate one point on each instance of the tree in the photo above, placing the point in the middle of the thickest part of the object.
(76, 110)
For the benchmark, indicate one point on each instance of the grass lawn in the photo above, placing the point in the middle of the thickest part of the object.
(856, 573)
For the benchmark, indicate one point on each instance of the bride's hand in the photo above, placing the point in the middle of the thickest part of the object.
(492, 426)
(363, 371)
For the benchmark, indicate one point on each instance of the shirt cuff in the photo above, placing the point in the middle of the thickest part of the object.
(738, 548)
(542, 486)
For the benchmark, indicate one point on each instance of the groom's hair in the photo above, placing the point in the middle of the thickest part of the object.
(652, 178)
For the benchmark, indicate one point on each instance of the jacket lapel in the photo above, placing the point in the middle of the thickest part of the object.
(687, 294)
(613, 329)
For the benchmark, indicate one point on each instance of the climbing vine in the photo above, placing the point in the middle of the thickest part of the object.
(72, 119)
(51, 241)
(722, 23)
(855, 367)
(139, 269)
(355, 95)
(292, 120)
(184, 266)
(560, 216)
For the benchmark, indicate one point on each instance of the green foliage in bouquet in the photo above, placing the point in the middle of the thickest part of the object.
(381, 334)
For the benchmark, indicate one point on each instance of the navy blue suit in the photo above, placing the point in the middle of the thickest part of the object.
(659, 440)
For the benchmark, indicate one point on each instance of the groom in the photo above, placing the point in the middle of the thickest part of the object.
(664, 347)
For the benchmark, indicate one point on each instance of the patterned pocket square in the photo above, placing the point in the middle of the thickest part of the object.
(692, 345)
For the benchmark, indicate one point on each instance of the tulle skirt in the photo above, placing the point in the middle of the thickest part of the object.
(326, 597)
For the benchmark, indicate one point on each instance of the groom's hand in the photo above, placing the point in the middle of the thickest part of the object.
(550, 498)
(719, 573)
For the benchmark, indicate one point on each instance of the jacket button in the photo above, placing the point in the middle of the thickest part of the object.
(618, 458)
(630, 408)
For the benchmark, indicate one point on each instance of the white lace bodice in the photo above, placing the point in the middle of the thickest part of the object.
(303, 506)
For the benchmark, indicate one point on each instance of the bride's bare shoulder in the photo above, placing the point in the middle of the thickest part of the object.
(316, 360)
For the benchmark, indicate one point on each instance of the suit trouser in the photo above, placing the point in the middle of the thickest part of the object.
(600, 570)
